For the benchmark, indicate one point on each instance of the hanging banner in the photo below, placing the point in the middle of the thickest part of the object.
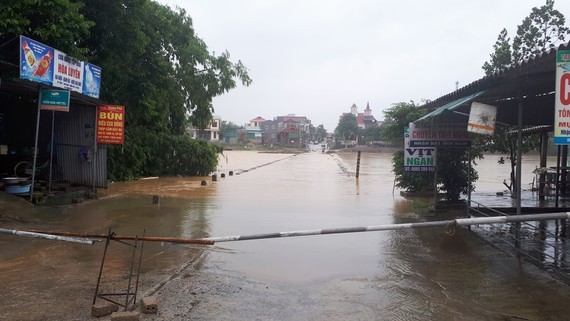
(110, 124)
(562, 99)
(46, 65)
(56, 100)
(418, 159)
(482, 119)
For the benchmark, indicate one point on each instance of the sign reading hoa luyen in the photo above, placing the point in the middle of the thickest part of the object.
(46, 65)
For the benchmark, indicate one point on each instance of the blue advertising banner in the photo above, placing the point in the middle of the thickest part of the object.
(46, 65)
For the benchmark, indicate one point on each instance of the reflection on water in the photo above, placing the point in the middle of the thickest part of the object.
(398, 275)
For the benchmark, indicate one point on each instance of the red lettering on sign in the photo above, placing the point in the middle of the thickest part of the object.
(565, 89)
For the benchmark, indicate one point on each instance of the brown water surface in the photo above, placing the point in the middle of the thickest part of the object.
(396, 275)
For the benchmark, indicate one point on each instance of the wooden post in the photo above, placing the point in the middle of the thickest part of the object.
(358, 164)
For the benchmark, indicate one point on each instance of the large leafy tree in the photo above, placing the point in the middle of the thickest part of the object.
(396, 119)
(543, 29)
(501, 58)
(153, 63)
(454, 178)
(321, 133)
(157, 67)
(59, 23)
(347, 128)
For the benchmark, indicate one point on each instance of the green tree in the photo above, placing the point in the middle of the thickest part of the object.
(396, 119)
(370, 134)
(543, 29)
(347, 128)
(505, 140)
(321, 133)
(501, 58)
(453, 177)
(155, 65)
(59, 23)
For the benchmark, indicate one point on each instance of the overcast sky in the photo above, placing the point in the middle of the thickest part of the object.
(316, 58)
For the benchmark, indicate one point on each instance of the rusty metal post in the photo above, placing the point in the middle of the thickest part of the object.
(109, 235)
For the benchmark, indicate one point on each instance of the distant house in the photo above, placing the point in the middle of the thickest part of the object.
(254, 133)
(210, 133)
(365, 119)
(270, 132)
(293, 129)
(230, 136)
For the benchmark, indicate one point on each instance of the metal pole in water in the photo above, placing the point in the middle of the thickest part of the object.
(357, 229)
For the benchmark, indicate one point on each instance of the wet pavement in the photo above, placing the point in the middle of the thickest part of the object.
(396, 275)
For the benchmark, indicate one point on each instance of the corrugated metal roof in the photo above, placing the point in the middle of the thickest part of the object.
(452, 105)
(531, 82)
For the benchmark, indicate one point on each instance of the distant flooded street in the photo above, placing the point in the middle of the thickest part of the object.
(428, 274)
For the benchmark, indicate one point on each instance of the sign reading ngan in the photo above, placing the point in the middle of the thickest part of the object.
(418, 159)
(110, 124)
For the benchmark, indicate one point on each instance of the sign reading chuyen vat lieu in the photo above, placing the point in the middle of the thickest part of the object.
(448, 135)
(56, 100)
(110, 124)
(46, 65)
(562, 99)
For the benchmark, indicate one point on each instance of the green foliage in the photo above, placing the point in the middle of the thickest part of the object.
(504, 140)
(411, 182)
(396, 118)
(453, 174)
(147, 153)
(153, 63)
(347, 128)
(541, 30)
(370, 134)
(321, 133)
(58, 23)
(501, 58)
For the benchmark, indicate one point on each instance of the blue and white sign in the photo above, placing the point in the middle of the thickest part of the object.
(41, 63)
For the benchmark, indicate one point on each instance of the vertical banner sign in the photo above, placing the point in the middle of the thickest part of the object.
(110, 124)
(562, 99)
(56, 100)
(418, 159)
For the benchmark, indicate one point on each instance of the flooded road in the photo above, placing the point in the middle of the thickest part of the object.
(396, 275)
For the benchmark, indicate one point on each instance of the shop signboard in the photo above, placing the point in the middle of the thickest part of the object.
(446, 135)
(56, 100)
(46, 65)
(562, 99)
(110, 124)
(418, 159)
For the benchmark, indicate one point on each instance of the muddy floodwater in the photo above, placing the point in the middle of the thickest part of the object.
(428, 274)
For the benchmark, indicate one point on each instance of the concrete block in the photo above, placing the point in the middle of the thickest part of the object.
(103, 308)
(148, 305)
(125, 316)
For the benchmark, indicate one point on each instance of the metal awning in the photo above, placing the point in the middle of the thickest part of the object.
(452, 105)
